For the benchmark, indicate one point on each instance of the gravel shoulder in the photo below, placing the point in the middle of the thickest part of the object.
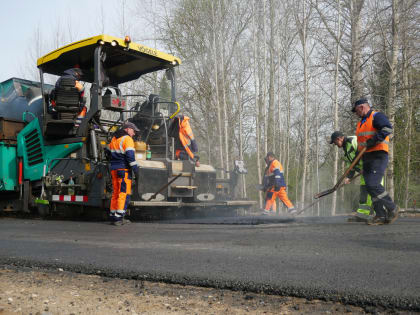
(46, 292)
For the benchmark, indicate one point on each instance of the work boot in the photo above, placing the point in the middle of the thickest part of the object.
(392, 215)
(266, 212)
(376, 221)
(354, 217)
(117, 223)
(291, 211)
(125, 221)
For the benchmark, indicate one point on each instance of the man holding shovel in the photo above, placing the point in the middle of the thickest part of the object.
(372, 133)
(349, 146)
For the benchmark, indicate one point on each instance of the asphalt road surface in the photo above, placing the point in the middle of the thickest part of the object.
(324, 258)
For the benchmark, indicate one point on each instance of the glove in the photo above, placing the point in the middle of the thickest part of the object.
(370, 143)
(107, 154)
(196, 160)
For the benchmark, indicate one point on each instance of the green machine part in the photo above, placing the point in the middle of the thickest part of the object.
(30, 146)
(8, 167)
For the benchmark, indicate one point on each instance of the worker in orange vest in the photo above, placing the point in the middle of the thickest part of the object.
(186, 146)
(123, 164)
(275, 186)
(373, 132)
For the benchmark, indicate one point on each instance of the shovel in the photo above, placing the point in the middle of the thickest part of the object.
(336, 186)
(163, 187)
(324, 194)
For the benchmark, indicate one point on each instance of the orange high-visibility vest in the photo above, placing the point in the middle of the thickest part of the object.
(366, 131)
(275, 173)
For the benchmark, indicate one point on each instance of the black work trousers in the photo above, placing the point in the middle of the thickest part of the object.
(374, 166)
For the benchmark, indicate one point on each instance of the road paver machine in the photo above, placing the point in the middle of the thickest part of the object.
(49, 164)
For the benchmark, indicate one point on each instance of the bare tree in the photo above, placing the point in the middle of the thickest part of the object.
(216, 79)
(264, 78)
(223, 83)
(335, 106)
(287, 37)
(302, 20)
(356, 75)
(271, 141)
(393, 88)
(257, 105)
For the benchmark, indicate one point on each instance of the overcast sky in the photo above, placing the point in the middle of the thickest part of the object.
(20, 19)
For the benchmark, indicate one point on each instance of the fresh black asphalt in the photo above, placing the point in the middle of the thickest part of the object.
(325, 258)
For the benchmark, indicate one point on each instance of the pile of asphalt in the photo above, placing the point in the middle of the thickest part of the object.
(237, 220)
(254, 220)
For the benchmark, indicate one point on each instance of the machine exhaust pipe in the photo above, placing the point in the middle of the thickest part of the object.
(94, 145)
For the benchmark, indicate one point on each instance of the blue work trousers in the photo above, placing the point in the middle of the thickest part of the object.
(374, 166)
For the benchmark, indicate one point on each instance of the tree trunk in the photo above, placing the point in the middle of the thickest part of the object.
(335, 107)
(356, 84)
(271, 111)
(241, 155)
(317, 153)
(224, 107)
(302, 29)
(392, 91)
(409, 108)
(257, 107)
(216, 83)
(407, 103)
(264, 81)
(289, 101)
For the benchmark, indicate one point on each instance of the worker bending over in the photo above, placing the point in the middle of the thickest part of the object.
(349, 146)
(185, 146)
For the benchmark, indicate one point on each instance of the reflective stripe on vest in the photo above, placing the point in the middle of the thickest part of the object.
(122, 153)
(366, 131)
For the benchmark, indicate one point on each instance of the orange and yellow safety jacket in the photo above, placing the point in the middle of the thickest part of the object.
(123, 152)
(375, 126)
(274, 176)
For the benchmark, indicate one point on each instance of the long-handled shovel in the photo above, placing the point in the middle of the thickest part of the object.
(319, 198)
(163, 187)
(336, 186)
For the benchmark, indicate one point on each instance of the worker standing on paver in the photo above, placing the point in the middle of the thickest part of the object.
(349, 146)
(373, 132)
(186, 147)
(275, 186)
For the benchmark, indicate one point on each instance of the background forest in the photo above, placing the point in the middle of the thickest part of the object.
(281, 75)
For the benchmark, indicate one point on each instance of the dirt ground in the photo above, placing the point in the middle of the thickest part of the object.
(42, 292)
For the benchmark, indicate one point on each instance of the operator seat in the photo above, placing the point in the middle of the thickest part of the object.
(67, 99)
(68, 103)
